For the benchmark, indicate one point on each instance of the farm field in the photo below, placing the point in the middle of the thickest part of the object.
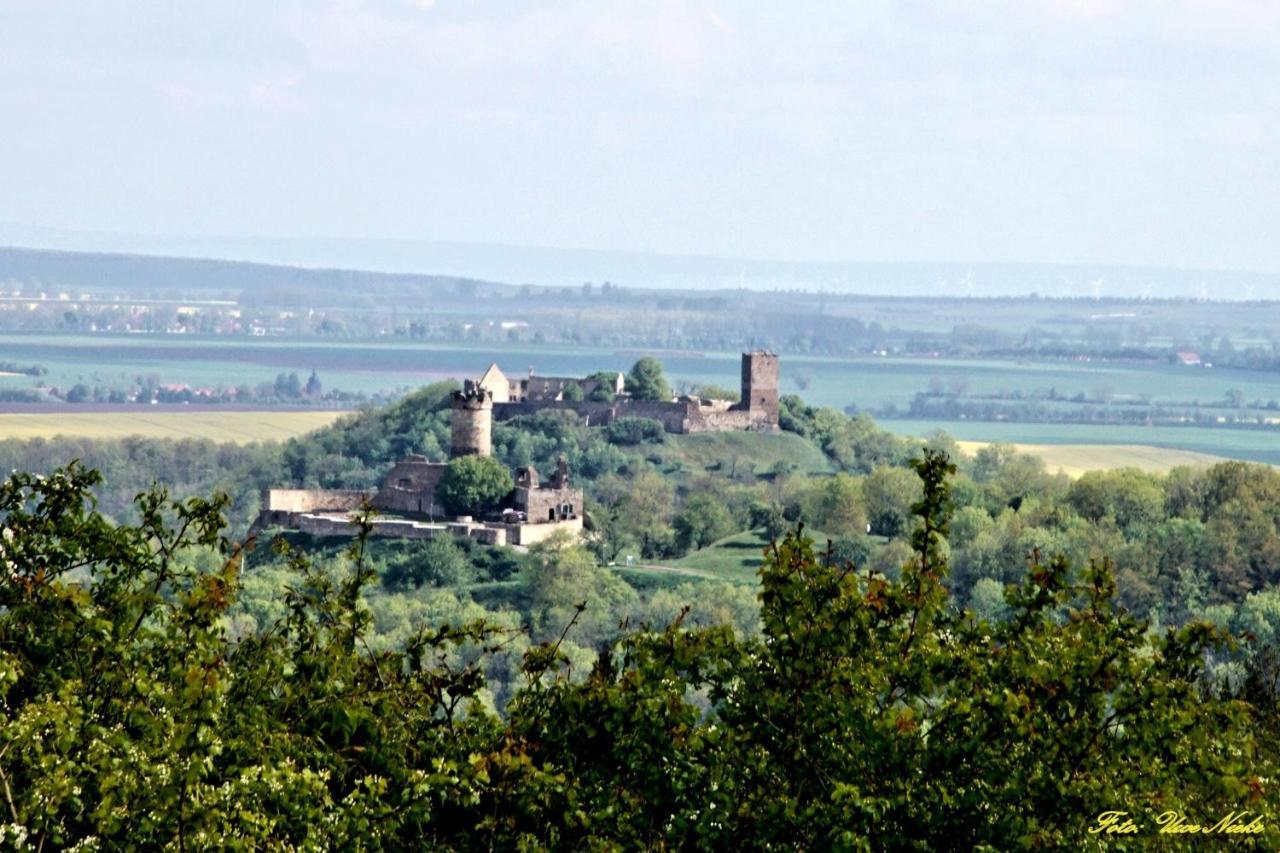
(1075, 459)
(388, 364)
(239, 427)
(1251, 445)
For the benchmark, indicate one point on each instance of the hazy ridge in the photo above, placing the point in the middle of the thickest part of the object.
(445, 262)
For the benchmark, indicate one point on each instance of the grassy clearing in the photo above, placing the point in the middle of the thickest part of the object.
(736, 452)
(236, 427)
(735, 558)
(1075, 459)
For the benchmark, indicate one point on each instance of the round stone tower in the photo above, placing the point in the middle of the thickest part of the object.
(471, 422)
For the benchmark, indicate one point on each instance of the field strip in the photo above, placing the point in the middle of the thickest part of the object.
(1076, 459)
(238, 427)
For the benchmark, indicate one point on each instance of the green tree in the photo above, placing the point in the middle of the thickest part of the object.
(474, 485)
(874, 714)
(438, 562)
(603, 391)
(633, 431)
(646, 380)
(718, 392)
(986, 600)
(702, 521)
(865, 712)
(888, 494)
(767, 517)
(130, 719)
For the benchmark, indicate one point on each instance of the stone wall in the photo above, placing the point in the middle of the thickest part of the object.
(410, 487)
(732, 420)
(680, 416)
(283, 507)
(400, 528)
(672, 415)
(547, 504)
(530, 534)
(313, 500)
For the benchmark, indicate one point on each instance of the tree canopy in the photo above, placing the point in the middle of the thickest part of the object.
(646, 380)
(871, 712)
(474, 485)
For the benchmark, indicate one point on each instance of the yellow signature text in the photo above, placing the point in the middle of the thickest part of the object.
(1176, 823)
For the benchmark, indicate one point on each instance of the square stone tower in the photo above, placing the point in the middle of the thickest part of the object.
(760, 383)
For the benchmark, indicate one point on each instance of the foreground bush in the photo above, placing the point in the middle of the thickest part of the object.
(871, 714)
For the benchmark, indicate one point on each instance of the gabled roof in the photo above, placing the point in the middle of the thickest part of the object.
(493, 374)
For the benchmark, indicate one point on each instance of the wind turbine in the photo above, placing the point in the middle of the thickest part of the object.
(1097, 290)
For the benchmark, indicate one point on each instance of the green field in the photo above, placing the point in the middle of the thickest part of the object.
(220, 426)
(369, 365)
(388, 364)
(867, 382)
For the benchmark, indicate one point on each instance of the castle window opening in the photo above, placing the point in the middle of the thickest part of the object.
(404, 482)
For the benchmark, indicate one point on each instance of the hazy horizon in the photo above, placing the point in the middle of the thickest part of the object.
(1085, 133)
(558, 267)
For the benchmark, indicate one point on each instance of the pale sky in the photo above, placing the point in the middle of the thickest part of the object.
(1143, 132)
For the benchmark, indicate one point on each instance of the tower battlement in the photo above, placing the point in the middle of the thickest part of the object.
(471, 421)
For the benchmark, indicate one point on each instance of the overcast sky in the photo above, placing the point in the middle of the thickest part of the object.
(1140, 132)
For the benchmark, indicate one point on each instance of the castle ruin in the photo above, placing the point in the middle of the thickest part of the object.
(408, 503)
(407, 499)
(756, 411)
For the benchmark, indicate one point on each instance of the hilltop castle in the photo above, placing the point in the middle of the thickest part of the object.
(408, 497)
(757, 411)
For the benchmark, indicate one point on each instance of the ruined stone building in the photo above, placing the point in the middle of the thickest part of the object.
(408, 503)
(757, 410)
(544, 389)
